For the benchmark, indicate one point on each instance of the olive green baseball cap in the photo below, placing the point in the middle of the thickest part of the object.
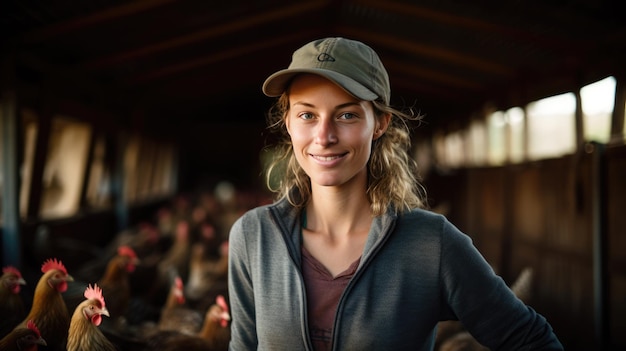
(350, 64)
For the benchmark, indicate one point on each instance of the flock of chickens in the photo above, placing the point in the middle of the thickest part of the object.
(161, 285)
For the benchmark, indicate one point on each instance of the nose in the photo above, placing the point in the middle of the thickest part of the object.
(325, 133)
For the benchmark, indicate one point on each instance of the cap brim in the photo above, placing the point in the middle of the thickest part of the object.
(276, 84)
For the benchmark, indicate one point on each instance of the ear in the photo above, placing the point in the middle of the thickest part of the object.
(286, 120)
(382, 123)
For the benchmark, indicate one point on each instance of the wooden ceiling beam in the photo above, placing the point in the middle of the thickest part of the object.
(227, 27)
(554, 44)
(218, 56)
(95, 18)
(460, 59)
(431, 75)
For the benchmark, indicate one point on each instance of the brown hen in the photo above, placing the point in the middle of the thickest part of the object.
(48, 311)
(23, 339)
(175, 315)
(213, 336)
(84, 334)
(12, 307)
(115, 283)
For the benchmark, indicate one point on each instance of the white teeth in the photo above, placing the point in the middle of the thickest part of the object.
(326, 158)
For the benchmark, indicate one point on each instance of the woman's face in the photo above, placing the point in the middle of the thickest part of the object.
(331, 131)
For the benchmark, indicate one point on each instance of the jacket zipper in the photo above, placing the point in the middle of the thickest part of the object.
(373, 253)
(288, 242)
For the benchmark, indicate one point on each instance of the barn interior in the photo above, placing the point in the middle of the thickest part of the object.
(190, 73)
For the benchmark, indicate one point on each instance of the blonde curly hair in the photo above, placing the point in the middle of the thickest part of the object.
(392, 182)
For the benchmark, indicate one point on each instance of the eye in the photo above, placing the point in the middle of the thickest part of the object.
(347, 115)
(305, 115)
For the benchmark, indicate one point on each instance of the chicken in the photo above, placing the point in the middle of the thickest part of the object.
(84, 334)
(143, 240)
(216, 327)
(214, 335)
(176, 316)
(115, 283)
(176, 258)
(207, 276)
(23, 338)
(12, 307)
(174, 262)
(48, 310)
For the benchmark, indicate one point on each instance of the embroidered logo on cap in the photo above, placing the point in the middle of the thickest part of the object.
(324, 57)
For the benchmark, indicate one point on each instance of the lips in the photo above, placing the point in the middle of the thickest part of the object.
(326, 158)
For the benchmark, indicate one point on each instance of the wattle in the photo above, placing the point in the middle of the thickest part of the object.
(96, 319)
(62, 286)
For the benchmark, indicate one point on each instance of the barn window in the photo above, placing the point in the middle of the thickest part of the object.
(551, 126)
(477, 148)
(164, 180)
(99, 185)
(597, 101)
(30, 124)
(149, 169)
(65, 166)
(497, 148)
(516, 137)
(454, 149)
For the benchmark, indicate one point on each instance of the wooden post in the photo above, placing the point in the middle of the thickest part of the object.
(617, 121)
(11, 239)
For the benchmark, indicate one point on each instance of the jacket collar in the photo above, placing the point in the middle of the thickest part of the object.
(288, 218)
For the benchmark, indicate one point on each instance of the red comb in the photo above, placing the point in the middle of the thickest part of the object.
(94, 293)
(182, 228)
(53, 263)
(178, 282)
(126, 251)
(11, 270)
(31, 325)
(222, 302)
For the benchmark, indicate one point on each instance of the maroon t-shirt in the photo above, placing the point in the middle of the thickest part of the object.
(323, 293)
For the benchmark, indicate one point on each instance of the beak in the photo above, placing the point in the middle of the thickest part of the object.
(69, 278)
(104, 312)
(21, 281)
(41, 341)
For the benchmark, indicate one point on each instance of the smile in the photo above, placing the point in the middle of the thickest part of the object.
(326, 158)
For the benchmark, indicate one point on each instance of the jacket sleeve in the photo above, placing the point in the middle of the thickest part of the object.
(243, 326)
(484, 303)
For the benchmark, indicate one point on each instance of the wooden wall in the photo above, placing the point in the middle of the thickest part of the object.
(616, 241)
(564, 218)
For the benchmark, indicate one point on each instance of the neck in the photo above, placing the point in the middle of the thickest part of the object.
(334, 211)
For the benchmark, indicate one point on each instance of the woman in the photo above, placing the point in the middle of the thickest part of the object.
(347, 258)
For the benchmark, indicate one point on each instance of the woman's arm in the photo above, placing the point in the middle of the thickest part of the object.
(241, 292)
(485, 304)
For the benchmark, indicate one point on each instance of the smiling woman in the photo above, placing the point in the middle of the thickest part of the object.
(348, 244)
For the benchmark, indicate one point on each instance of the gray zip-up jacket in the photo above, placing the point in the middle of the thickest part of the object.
(416, 269)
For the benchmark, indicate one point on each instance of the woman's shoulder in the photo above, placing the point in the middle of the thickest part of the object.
(429, 221)
(263, 215)
(423, 215)
(254, 214)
